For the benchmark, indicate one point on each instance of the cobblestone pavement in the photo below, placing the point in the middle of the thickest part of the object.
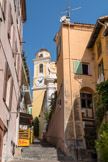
(43, 152)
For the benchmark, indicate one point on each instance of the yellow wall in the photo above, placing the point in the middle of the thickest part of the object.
(37, 69)
(104, 54)
(38, 96)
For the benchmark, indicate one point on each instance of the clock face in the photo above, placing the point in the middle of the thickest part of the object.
(40, 81)
(52, 67)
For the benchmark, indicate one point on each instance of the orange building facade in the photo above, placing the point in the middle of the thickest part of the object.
(75, 117)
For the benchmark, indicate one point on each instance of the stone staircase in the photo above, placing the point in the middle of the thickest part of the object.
(44, 152)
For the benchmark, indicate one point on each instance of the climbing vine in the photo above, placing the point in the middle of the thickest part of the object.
(101, 98)
(102, 143)
(48, 113)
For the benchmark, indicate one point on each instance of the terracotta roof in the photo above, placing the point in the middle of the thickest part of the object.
(96, 31)
(43, 49)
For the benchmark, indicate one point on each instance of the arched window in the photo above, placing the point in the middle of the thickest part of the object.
(41, 68)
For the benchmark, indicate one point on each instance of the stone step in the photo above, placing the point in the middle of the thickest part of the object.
(44, 152)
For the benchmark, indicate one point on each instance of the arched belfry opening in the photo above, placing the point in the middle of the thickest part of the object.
(41, 68)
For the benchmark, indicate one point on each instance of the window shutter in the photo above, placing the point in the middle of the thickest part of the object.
(107, 46)
(77, 67)
(4, 8)
(102, 68)
(5, 80)
(11, 93)
(13, 39)
(18, 65)
(10, 21)
(31, 111)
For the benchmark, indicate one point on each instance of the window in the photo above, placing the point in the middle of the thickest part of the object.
(41, 55)
(41, 68)
(87, 105)
(3, 4)
(8, 87)
(81, 68)
(85, 69)
(107, 46)
(10, 21)
(101, 68)
(99, 48)
(86, 100)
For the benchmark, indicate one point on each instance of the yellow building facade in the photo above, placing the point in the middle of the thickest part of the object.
(43, 68)
(98, 43)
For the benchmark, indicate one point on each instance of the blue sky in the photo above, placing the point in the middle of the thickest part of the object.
(43, 22)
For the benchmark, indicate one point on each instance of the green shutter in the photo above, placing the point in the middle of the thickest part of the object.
(102, 68)
(31, 111)
(77, 67)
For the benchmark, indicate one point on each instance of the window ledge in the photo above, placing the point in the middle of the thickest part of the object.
(84, 74)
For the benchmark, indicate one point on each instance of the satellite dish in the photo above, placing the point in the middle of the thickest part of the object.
(63, 18)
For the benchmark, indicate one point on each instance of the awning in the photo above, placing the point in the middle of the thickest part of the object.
(25, 119)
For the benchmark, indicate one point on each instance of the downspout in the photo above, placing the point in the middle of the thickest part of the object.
(75, 145)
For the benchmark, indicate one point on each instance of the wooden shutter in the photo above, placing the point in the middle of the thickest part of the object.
(5, 80)
(77, 67)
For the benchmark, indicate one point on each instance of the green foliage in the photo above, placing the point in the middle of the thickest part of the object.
(36, 127)
(102, 143)
(48, 113)
(53, 102)
(55, 80)
(101, 98)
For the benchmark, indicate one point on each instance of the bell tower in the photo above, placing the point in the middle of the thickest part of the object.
(42, 72)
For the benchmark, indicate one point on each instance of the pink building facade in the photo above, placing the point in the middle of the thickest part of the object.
(12, 16)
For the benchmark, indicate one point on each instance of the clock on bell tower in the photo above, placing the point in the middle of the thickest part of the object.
(43, 70)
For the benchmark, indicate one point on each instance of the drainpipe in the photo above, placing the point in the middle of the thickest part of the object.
(75, 145)
(102, 24)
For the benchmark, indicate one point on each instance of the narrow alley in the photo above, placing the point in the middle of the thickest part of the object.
(41, 151)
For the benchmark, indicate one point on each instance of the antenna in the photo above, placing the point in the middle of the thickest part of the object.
(67, 12)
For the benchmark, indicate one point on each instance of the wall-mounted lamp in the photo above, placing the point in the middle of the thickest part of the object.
(59, 103)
